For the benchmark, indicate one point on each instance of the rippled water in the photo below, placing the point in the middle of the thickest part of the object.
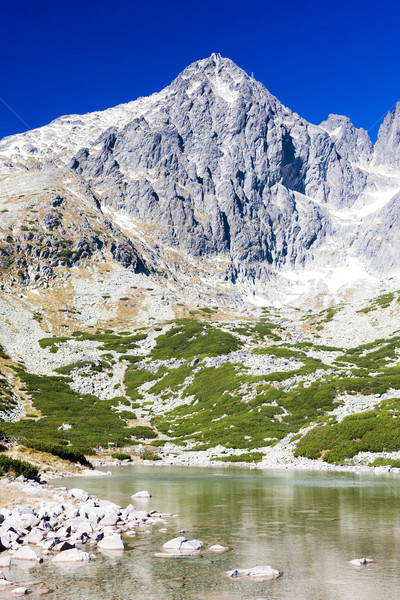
(308, 525)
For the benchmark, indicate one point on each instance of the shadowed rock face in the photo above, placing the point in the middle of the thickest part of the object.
(354, 144)
(214, 166)
(388, 144)
(387, 149)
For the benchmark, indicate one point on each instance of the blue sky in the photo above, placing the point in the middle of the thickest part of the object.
(316, 57)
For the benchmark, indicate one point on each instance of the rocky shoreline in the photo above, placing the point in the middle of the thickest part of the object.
(197, 459)
(49, 523)
(63, 526)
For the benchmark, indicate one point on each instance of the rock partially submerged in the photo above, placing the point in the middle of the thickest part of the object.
(361, 562)
(72, 556)
(264, 573)
(55, 527)
(218, 548)
(176, 554)
(5, 561)
(142, 494)
(26, 553)
(111, 542)
(182, 545)
(4, 584)
(19, 591)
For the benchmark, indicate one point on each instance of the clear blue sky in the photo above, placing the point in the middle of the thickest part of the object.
(317, 57)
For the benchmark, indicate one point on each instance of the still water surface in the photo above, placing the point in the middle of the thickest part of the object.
(306, 524)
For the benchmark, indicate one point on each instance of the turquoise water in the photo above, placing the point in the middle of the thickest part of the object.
(306, 524)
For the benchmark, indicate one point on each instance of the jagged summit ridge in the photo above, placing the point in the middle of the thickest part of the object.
(354, 144)
(215, 168)
(388, 143)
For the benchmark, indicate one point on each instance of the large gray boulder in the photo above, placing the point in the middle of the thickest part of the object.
(111, 518)
(79, 494)
(258, 573)
(183, 545)
(26, 553)
(19, 591)
(111, 542)
(71, 556)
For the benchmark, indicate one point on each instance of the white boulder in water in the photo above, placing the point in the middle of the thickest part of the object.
(5, 561)
(142, 494)
(26, 553)
(361, 562)
(183, 545)
(218, 548)
(262, 572)
(71, 556)
(111, 542)
(4, 583)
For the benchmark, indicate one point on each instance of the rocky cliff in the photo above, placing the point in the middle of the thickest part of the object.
(212, 175)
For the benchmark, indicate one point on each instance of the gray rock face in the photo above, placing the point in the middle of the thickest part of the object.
(215, 167)
(379, 239)
(387, 148)
(352, 143)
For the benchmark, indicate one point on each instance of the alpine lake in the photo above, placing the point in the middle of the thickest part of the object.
(307, 524)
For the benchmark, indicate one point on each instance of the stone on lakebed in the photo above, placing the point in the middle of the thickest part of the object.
(361, 562)
(142, 494)
(183, 545)
(4, 583)
(71, 556)
(19, 591)
(111, 542)
(5, 561)
(218, 548)
(263, 572)
(26, 553)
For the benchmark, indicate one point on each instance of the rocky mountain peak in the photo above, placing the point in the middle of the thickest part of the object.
(221, 77)
(355, 144)
(387, 148)
(213, 173)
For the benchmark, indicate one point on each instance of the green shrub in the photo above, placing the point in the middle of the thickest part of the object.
(141, 431)
(171, 380)
(17, 467)
(370, 431)
(247, 457)
(385, 462)
(131, 359)
(2, 353)
(127, 414)
(188, 338)
(60, 450)
(149, 455)
(121, 456)
(92, 420)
